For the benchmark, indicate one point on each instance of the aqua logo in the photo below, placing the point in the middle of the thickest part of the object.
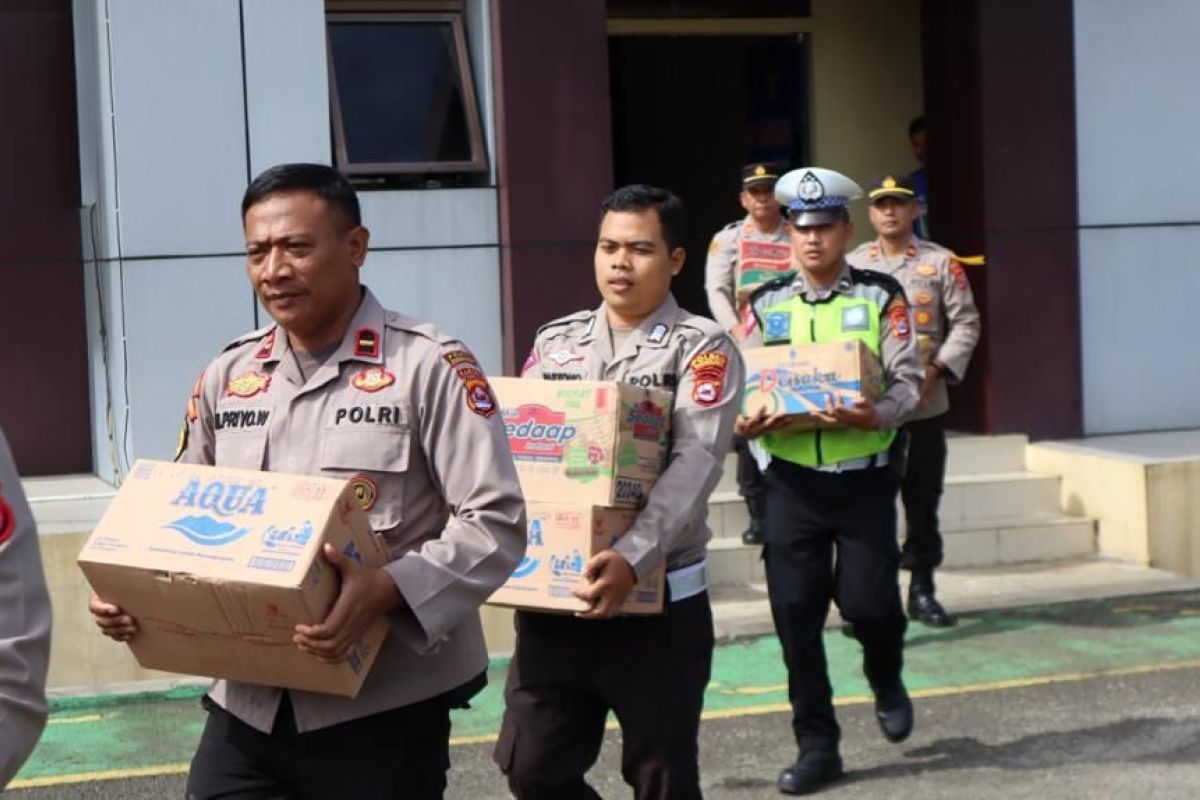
(535, 532)
(527, 567)
(206, 531)
(221, 499)
(291, 538)
(567, 566)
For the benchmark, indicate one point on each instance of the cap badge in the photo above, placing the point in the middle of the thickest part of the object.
(889, 182)
(760, 170)
(810, 189)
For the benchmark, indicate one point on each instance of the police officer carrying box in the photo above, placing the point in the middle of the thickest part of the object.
(947, 328)
(24, 625)
(830, 511)
(435, 477)
(567, 673)
(763, 231)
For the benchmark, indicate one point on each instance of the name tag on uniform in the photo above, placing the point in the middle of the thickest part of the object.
(777, 327)
(854, 318)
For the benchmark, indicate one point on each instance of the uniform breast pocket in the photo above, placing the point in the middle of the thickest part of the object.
(376, 463)
(240, 450)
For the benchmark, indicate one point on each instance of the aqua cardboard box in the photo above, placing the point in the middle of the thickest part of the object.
(219, 565)
(590, 443)
(796, 380)
(561, 539)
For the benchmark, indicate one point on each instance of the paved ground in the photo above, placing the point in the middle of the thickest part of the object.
(1091, 699)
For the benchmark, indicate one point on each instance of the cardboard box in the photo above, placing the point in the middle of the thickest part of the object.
(219, 565)
(761, 262)
(797, 380)
(590, 443)
(562, 537)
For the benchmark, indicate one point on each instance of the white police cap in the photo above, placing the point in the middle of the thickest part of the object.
(813, 196)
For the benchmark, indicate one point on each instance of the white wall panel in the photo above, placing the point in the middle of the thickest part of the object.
(1135, 83)
(457, 290)
(287, 91)
(431, 218)
(1137, 290)
(180, 125)
(178, 315)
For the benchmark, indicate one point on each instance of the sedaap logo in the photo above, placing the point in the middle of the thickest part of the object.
(647, 420)
(536, 433)
(221, 499)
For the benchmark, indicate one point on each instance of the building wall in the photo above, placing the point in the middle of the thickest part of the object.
(181, 103)
(1139, 220)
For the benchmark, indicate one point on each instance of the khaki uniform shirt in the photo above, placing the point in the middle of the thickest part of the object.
(721, 268)
(24, 625)
(409, 414)
(674, 350)
(944, 313)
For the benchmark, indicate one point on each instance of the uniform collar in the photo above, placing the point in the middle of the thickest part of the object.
(654, 331)
(876, 251)
(363, 340)
(842, 285)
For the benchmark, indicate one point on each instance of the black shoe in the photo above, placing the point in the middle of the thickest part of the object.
(753, 534)
(924, 607)
(811, 771)
(894, 710)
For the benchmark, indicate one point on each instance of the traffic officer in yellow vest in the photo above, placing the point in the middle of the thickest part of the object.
(750, 250)
(831, 514)
(946, 323)
(24, 624)
(567, 673)
(339, 386)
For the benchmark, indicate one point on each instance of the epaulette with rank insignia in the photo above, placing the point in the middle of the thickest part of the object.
(579, 316)
(252, 336)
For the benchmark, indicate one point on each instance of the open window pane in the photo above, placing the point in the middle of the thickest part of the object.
(403, 100)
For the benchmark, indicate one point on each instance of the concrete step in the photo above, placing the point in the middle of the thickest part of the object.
(979, 543)
(967, 454)
(743, 610)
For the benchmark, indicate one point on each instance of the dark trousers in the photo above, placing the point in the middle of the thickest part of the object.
(921, 491)
(830, 537)
(751, 484)
(565, 676)
(402, 753)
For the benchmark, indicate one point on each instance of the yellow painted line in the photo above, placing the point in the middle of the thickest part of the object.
(728, 713)
(74, 720)
(106, 775)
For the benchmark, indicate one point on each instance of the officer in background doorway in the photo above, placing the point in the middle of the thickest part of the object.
(830, 507)
(742, 254)
(947, 329)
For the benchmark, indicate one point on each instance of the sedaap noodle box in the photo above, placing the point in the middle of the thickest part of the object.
(219, 565)
(591, 443)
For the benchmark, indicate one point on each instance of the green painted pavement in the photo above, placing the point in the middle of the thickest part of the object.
(161, 729)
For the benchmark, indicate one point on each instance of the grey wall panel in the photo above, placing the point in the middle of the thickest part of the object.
(1138, 288)
(458, 290)
(178, 315)
(1135, 75)
(287, 91)
(432, 218)
(180, 125)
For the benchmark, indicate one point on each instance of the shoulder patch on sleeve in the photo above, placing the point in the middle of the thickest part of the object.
(477, 392)
(897, 316)
(708, 371)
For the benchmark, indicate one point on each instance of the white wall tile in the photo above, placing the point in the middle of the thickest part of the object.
(431, 218)
(1137, 300)
(180, 125)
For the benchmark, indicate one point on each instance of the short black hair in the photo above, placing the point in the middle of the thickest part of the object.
(916, 126)
(639, 197)
(323, 181)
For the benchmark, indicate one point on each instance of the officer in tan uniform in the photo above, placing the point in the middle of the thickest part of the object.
(24, 625)
(567, 673)
(341, 387)
(947, 328)
(753, 249)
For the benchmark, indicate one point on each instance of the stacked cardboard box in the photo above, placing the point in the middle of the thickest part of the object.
(796, 380)
(587, 454)
(219, 565)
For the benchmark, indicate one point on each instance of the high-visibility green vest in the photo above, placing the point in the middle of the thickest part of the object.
(786, 318)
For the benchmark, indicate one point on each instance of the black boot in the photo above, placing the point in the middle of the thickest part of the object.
(754, 534)
(923, 605)
(811, 771)
(894, 711)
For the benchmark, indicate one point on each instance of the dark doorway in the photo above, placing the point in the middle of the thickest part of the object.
(688, 111)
